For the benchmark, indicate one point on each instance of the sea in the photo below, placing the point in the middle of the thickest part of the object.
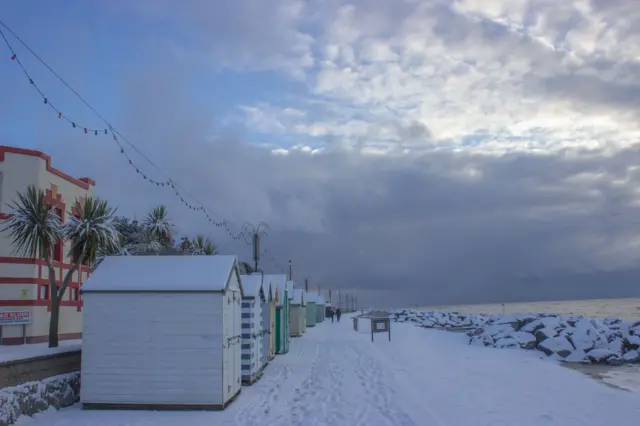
(628, 309)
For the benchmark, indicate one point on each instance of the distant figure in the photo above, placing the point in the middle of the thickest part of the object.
(338, 314)
(331, 314)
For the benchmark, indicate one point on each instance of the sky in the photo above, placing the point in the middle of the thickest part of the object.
(410, 151)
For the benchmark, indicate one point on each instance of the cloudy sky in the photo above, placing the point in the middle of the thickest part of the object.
(416, 151)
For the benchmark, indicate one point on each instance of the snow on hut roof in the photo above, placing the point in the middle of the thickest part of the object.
(319, 299)
(312, 297)
(251, 284)
(277, 283)
(161, 274)
(298, 295)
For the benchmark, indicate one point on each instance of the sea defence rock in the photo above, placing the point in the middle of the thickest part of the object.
(567, 338)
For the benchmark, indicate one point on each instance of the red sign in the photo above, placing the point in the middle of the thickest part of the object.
(15, 317)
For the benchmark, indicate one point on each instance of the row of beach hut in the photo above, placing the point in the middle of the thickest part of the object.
(184, 332)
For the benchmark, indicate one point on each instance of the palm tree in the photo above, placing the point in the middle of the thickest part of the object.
(245, 268)
(201, 245)
(158, 224)
(35, 228)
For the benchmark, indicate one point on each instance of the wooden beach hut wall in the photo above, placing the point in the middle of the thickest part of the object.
(281, 299)
(304, 311)
(172, 323)
(268, 322)
(253, 305)
(297, 315)
(311, 310)
(319, 308)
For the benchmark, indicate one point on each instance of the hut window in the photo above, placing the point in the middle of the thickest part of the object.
(44, 293)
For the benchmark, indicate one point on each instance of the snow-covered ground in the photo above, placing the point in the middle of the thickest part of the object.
(11, 353)
(335, 376)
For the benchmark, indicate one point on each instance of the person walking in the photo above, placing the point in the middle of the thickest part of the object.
(338, 314)
(331, 314)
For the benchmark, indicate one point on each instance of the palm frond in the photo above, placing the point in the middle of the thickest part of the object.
(92, 230)
(34, 227)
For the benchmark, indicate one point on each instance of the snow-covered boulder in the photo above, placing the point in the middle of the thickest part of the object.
(631, 356)
(603, 355)
(578, 355)
(556, 345)
(507, 342)
(524, 340)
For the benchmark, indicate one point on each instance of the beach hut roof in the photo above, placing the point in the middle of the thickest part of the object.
(162, 274)
(297, 296)
(278, 285)
(252, 285)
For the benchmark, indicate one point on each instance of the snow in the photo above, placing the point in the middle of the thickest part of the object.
(15, 352)
(297, 296)
(251, 285)
(335, 376)
(161, 273)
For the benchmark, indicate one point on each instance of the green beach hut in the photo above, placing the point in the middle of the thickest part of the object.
(281, 298)
(311, 309)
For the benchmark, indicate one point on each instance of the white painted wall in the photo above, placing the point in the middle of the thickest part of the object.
(231, 309)
(152, 348)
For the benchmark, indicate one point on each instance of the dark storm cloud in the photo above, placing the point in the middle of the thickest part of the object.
(437, 227)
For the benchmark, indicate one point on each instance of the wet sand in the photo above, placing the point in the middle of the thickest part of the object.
(625, 377)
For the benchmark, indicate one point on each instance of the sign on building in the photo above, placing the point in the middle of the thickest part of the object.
(15, 318)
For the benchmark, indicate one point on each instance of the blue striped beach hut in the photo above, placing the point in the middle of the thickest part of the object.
(253, 304)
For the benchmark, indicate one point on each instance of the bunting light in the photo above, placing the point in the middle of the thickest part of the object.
(87, 130)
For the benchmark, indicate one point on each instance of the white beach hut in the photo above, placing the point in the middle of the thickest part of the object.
(254, 355)
(298, 312)
(162, 332)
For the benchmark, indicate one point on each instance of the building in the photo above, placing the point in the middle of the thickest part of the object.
(311, 309)
(162, 332)
(281, 299)
(271, 307)
(320, 313)
(254, 356)
(25, 296)
(297, 312)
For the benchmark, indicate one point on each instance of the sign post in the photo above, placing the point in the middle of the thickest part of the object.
(22, 318)
(380, 325)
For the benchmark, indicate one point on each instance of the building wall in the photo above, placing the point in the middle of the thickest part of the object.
(311, 314)
(24, 282)
(152, 349)
(295, 320)
(232, 340)
(251, 338)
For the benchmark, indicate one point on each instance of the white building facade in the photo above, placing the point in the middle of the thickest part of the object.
(25, 293)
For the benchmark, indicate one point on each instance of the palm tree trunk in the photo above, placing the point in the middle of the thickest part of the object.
(55, 319)
(55, 305)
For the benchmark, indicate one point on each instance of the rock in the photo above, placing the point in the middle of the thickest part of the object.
(616, 346)
(507, 342)
(482, 340)
(556, 345)
(632, 356)
(545, 333)
(580, 340)
(497, 330)
(577, 355)
(631, 342)
(524, 340)
(601, 355)
(614, 360)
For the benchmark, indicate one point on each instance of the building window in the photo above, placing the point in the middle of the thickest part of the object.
(44, 292)
(74, 294)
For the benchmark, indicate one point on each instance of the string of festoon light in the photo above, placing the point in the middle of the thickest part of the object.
(118, 139)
